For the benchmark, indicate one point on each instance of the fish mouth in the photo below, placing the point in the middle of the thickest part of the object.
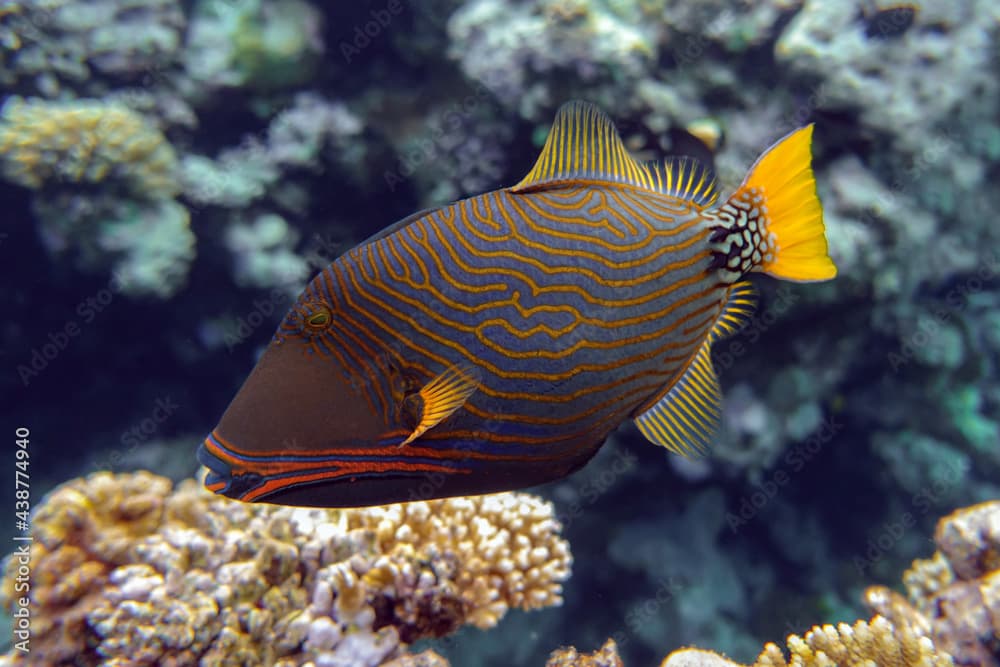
(220, 478)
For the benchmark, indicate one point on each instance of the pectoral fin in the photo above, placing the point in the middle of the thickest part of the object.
(441, 397)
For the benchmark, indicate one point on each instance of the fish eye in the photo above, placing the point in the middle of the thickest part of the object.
(318, 320)
(315, 317)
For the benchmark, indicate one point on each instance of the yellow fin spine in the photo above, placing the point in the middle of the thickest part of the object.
(741, 302)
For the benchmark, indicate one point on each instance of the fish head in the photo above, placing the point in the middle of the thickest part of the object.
(321, 423)
(309, 423)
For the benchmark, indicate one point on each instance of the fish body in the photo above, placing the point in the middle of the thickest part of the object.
(494, 343)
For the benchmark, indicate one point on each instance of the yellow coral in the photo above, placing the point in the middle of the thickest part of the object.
(606, 656)
(127, 569)
(84, 141)
(506, 545)
(926, 577)
(970, 539)
(955, 595)
(865, 644)
(875, 642)
(952, 616)
(81, 533)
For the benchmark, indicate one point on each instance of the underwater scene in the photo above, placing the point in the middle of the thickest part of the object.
(476, 333)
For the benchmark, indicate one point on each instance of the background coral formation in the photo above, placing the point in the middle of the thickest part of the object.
(951, 616)
(84, 141)
(875, 642)
(130, 571)
(954, 596)
(255, 140)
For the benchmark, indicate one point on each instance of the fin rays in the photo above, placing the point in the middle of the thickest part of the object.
(686, 418)
(442, 396)
(684, 178)
(583, 144)
(783, 175)
(676, 422)
(739, 308)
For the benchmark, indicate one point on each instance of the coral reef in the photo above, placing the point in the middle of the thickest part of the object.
(700, 590)
(523, 51)
(147, 245)
(258, 44)
(127, 569)
(606, 656)
(954, 596)
(84, 141)
(952, 615)
(874, 642)
(877, 641)
(262, 250)
(58, 47)
(105, 178)
(296, 138)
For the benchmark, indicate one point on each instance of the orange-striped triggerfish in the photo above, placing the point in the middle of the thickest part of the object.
(495, 343)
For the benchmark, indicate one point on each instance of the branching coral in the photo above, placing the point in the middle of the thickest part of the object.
(108, 178)
(866, 642)
(253, 43)
(61, 47)
(955, 595)
(952, 615)
(148, 245)
(527, 53)
(500, 550)
(875, 642)
(84, 141)
(606, 656)
(128, 571)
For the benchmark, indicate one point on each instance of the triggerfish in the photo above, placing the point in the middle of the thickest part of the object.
(494, 343)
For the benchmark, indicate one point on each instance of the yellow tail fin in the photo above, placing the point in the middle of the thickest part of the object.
(792, 216)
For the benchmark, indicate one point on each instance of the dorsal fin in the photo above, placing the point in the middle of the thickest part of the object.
(583, 144)
(685, 178)
(741, 302)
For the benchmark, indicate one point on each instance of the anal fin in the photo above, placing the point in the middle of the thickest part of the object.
(686, 417)
(442, 396)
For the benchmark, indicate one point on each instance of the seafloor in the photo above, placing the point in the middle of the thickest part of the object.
(172, 172)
